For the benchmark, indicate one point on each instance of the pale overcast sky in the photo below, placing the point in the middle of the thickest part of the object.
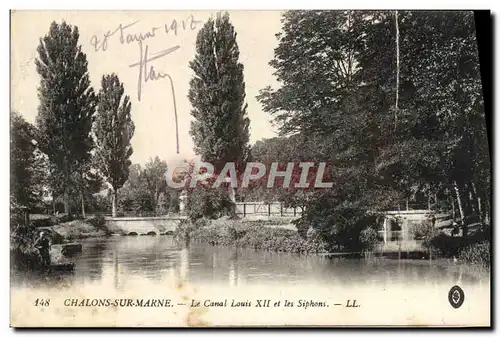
(153, 115)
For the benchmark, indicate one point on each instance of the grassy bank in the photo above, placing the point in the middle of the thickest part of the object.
(263, 235)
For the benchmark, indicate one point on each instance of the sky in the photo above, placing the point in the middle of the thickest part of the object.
(153, 114)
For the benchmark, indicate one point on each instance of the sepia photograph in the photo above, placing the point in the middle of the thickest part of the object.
(250, 168)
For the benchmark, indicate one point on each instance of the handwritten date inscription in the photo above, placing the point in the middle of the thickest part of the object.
(126, 37)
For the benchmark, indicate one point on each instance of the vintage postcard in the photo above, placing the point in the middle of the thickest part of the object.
(248, 168)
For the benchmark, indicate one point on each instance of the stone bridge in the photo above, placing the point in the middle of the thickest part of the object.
(144, 225)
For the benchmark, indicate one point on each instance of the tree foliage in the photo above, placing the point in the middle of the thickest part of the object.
(27, 168)
(113, 131)
(338, 85)
(146, 191)
(67, 103)
(217, 95)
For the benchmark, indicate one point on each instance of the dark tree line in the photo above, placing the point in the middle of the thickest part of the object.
(392, 127)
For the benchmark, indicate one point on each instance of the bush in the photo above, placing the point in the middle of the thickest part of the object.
(207, 202)
(22, 251)
(424, 230)
(368, 239)
(22, 260)
(183, 230)
(341, 227)
(99, 222)
(449, 246)
(477, 254)
(257, 236)
(302, 226)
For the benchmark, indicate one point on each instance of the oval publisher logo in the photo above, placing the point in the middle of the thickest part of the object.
(456, 297)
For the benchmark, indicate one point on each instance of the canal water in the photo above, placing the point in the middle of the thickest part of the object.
(120, 258)
(147, 269)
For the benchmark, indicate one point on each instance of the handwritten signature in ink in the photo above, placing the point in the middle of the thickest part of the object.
(147, 73)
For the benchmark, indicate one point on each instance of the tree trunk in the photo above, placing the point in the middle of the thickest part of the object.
(453, 208)
(478, 198)
(53, 204)
(156, 199)
(67, 184)
(487, 212)
(397, 71)
(460, 208)
(67, 208)
(83, 204)
(115, 195)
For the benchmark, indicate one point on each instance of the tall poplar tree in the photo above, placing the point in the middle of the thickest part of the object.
(113, 130)
(217, 95)
(67, 104)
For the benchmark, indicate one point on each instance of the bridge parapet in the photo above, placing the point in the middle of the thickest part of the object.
(143, 225)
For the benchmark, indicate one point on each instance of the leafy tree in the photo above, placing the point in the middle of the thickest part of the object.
(217, 94)
(146, 191)
(205, 201)
(113, 131)
(133, 190)
(317, 65)
(390, 130)
(67, 103)
(88, 181)
(441, 141)
(26, 170)
(153, 177)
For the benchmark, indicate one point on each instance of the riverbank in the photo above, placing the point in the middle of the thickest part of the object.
(62, 229)
(259, 235)
(80, 229)
(269, 235)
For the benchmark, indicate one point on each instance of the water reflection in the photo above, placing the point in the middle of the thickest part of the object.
(116, 260)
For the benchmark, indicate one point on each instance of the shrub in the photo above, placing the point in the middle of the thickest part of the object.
(174, 206)
(302, 226)
(368, 239)
(207, 202)
(424, 230)
(183, 230)
(29, 259)
(478, 254)
(22, 251)
(99, 222)
(449, 246)
(256, 236)
(341, 227)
